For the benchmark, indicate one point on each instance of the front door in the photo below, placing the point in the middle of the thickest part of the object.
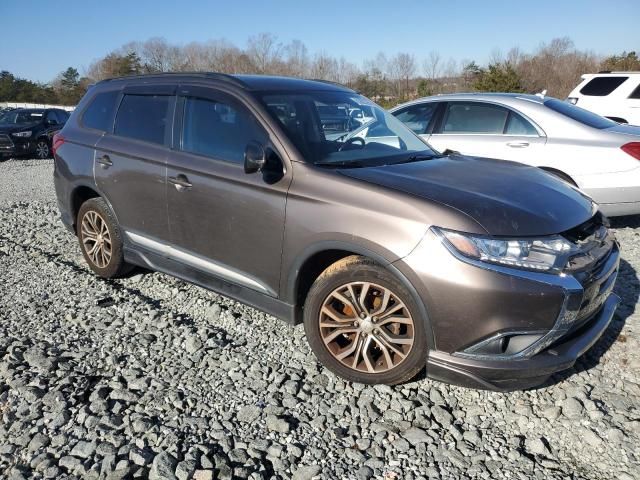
(485, 129)
(224, 221)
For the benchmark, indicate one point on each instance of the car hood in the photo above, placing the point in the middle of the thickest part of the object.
(505, 198)
(15, 128)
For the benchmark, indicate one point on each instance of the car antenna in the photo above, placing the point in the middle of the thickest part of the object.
(542, 93)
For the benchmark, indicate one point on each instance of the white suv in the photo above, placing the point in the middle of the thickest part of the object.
(615, 95)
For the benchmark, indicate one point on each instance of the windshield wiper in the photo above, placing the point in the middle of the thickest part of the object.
(418, 158)
(341, 163)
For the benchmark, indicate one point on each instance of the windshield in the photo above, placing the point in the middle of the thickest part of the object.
(343, 128)
(21, 117)
(579, 114)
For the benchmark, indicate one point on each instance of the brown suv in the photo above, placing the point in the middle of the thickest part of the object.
(271, 191)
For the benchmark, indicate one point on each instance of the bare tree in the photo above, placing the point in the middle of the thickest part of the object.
(297, 59)
(264, 51)
(432, 64)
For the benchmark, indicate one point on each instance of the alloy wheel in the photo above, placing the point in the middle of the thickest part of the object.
(366, 327)
(96, 239)
(42, 149)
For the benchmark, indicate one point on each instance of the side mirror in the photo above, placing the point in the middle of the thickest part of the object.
(254, 158)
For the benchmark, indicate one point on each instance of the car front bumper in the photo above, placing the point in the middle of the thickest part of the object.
(472, 303)
(13, 146)
(520, 374)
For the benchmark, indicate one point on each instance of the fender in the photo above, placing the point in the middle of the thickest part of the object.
(386, 260)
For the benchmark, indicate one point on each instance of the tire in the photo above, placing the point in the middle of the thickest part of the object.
(95, 216)
(43, 151)
(347, 278)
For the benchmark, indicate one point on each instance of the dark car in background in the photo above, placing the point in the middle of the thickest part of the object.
(493, 274)
(30, 131)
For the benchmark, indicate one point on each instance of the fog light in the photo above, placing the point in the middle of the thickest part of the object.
(504, 344)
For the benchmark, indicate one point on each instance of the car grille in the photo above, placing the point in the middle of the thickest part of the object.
(5, 141)
(595, 267)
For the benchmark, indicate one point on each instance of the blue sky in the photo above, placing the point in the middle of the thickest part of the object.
(41, 38)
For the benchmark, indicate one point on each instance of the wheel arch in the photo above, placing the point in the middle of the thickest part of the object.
(559, 173)
(79, 195)
(317, 258)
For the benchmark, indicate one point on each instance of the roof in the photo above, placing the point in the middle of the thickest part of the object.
(248, 82)
(488, 96)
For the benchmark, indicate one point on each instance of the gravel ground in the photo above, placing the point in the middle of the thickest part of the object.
(152, 377)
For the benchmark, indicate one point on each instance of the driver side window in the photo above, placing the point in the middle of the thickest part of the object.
(218, 129)
(52, 118)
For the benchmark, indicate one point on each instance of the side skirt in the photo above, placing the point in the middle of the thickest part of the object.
(260, 301)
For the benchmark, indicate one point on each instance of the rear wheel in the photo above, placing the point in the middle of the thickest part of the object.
(363, 324)
(100, 239)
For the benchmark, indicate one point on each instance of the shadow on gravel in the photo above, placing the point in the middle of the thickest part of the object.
(630, 221)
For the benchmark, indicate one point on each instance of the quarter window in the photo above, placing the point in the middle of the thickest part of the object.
(636, 93)
(217, 129)
(417, 117)
(143, 117)
(602, 86)
(99, 113)
(517, 125)
(474, 117)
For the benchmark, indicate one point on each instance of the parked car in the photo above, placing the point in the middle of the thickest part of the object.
(29, 131)
(492, 274)
(593, 153)
(615, 95)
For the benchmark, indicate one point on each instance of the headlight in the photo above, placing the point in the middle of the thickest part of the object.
(22, 134)
(539, 254)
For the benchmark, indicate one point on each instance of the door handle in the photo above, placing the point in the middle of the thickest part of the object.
(518, 144)
(105, 162)
(181, 182)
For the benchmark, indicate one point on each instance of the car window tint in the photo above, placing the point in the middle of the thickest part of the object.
(143, 117)
(52, 118)
(517, 125)
(63, 116)
(99, 113)
(417, 117)
(472, 117)
(579, 114)
(602, 86)
(217, 129)
(635, 93)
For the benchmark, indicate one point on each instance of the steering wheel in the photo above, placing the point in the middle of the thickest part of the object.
(352, 141)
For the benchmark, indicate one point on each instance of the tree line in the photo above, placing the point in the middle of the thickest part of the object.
(555, 67)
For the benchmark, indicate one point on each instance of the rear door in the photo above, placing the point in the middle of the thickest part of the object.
(130, 161)
(489, 130)
(223, 221)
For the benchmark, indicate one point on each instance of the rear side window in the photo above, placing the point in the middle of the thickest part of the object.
(474, 117)
(99, 113)
(635, 93)
(579, 114)
(143, 117)
(602, 86)
(218, 129)
(517, 125)
(417, 117)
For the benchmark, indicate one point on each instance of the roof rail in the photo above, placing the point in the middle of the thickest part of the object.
(225, 77)
(330, 82)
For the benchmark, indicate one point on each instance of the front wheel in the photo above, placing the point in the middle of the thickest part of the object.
(363, 324)
(42, 149)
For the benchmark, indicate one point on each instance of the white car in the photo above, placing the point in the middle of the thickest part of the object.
(599, 156)
(615, 95)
